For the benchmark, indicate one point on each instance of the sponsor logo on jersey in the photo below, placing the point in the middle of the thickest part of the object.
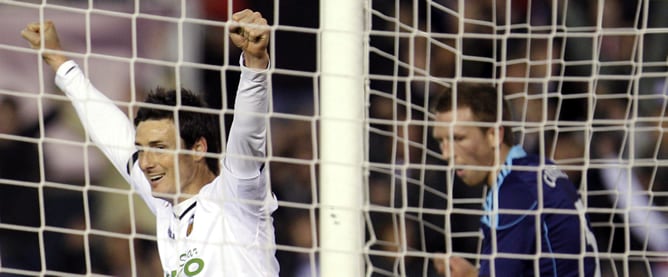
(189, 264)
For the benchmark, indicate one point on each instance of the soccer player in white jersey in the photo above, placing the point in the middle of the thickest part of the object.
(213, 218)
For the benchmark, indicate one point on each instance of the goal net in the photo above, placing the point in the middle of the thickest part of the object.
(586, 83)
(585, 79)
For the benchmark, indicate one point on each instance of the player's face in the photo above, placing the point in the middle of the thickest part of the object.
(466, 147)
(158, 143)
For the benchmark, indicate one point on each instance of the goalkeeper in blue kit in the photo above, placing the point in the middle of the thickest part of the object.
(533, 222)
(213, 216)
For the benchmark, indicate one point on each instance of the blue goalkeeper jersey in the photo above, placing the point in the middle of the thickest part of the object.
(532, 216)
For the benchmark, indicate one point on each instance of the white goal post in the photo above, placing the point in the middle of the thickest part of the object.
(342, 79)
(360, 183)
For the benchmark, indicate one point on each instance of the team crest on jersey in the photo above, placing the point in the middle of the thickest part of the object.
(552, 174)
(191, 223)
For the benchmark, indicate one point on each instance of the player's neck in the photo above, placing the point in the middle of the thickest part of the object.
(503, 155)
(201, 177)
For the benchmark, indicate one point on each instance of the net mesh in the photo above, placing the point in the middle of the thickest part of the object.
(586, 80)
(586, 83)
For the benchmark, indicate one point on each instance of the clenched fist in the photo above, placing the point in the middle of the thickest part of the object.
(33, 34)
(249, 31)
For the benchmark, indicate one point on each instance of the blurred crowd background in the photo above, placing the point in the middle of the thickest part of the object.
(586, 80)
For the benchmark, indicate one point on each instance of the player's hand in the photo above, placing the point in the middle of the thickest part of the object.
(32, 33)
(459, 267)
(250, 32)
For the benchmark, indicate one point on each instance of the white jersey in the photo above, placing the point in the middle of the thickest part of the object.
(225, 230)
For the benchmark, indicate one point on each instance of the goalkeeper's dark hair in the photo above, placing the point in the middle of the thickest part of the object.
(192, 125)
(482, 99)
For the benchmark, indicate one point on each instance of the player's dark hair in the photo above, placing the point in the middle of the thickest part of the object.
(192, 125)
(483, 101)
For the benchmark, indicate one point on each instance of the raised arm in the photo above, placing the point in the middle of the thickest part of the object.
(108, 127)
(249, 31)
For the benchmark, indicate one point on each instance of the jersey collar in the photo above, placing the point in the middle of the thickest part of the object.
(492, 201)
(184, 207)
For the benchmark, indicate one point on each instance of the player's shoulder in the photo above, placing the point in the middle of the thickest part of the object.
(527, 160)
(546, 173)
(550, 173)
(524, 171)
(518, 188)
(531, 168)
